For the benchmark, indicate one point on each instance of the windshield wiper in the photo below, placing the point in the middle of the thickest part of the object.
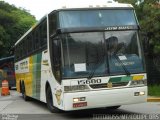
(123, 66)
(100, 60)
(118, 48)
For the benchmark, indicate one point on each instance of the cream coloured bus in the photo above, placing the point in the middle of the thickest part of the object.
(83, 56)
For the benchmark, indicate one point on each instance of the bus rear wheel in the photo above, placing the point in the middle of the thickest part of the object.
(49, 100)
(25, 97)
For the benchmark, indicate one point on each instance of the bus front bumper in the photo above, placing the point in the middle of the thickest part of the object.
(104, 98)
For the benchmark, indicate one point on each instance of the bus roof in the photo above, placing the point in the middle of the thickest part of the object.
(63, 4)
(72, 4)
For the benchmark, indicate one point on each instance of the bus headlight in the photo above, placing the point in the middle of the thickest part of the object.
(79, 99)
(138, 82)
(76, 88)
(139, 93)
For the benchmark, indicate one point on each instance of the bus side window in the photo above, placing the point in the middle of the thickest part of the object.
(30, 43)
(43, 34)
(52, 23)
(56, 59)
(36, 39)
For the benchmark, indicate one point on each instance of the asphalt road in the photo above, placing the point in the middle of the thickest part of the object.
(15, 108)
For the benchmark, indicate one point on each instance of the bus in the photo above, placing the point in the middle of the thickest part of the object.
(7, 71)
(83, 56)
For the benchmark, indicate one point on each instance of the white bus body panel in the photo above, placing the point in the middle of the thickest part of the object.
(105, 98)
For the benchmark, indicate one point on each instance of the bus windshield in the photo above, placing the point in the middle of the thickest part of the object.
(101, 53)
(96, 18)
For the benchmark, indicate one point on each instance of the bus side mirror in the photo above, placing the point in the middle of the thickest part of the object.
(58, 31)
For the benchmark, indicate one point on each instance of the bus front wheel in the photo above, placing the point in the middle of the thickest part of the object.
(49, 100)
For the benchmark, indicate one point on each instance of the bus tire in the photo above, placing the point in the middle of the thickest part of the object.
(49, 100)
(20, 86)
(23, 91)
(113, 107)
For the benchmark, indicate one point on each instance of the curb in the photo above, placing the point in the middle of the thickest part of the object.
(153, 99)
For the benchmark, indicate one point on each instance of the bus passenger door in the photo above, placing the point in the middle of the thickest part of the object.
(44, 73)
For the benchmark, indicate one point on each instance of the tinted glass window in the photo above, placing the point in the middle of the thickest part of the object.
(96, 18)
(83, 55)
(43, 33)
(101, 53)
(52, 23)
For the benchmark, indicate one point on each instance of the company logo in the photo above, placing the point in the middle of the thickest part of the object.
(109, 85)
(119, 27)
(91, 81)
(58, 96)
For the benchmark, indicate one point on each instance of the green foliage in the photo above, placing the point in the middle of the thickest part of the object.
(127, 1)
(148, 14)
(153, 90)
(14, 23)
(151, 25)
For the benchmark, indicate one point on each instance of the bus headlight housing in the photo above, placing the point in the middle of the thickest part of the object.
(138, 83)
(76, 88)
(139, 93)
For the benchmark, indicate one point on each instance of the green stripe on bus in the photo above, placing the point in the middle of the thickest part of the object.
(115, 79)
(126, 79)
(120, 79)
(36, 72)
(38, 75)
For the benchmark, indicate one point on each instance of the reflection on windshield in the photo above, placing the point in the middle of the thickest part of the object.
(81, 53)
(124, 53)
(87, 54)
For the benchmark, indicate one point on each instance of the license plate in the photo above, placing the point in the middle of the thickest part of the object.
(81, 104)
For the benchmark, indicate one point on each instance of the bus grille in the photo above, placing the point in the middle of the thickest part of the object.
(104, 85)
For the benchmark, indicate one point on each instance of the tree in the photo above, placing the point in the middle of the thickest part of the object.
(148, 13)
(14, 22)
